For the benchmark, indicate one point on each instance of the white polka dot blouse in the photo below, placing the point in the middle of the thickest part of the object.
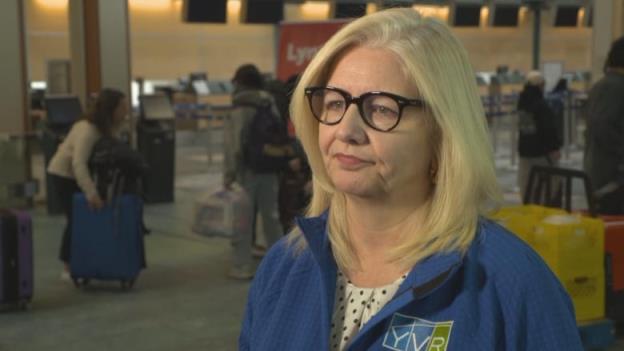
(355, 306)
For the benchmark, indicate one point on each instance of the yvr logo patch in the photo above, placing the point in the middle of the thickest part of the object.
(414, 334)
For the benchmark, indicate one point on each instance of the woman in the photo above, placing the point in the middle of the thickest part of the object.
(538, 140)
(394, 253)
(69, 165)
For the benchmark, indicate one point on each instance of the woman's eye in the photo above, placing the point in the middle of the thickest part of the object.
(334, 105)
(383, 110)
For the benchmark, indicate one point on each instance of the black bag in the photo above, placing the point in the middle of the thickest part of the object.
(116, 168)
(265, 142)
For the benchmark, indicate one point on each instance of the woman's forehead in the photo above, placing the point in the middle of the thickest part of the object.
(362, 69)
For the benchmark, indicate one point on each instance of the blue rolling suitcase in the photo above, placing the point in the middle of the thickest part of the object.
(16, 258)
(107, 244)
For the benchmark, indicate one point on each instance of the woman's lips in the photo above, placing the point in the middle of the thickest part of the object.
(349, 162)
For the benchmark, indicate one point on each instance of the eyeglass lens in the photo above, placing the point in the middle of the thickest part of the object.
(380, 111)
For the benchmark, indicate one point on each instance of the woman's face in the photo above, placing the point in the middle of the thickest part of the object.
(365, 162)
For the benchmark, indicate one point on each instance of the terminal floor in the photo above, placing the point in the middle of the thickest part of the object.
(183, 301)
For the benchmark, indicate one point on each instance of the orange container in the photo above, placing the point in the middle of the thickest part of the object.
(614, 246)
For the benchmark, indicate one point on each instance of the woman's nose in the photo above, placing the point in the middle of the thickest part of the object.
(352, 129)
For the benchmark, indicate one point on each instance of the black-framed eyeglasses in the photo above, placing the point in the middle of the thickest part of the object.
(380, 110)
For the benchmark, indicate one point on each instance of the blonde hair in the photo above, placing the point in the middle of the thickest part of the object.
(466, 182)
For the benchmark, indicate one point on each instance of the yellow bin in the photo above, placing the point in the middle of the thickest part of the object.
(573, 248)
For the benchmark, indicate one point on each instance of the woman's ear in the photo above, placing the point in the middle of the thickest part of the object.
(433, 171)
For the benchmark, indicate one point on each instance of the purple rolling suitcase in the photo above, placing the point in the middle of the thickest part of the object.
(16, 258)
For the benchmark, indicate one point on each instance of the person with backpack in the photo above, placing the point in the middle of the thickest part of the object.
(538, 141)
(69, 166)
(256, 150)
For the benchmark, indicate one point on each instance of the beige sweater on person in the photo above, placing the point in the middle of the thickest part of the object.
(72, 156)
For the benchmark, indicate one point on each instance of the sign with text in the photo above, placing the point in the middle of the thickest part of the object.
(407, 333)
(299, 42)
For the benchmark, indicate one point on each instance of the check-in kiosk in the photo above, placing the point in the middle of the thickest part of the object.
(61, 113)
(156, 142)
(200, 87)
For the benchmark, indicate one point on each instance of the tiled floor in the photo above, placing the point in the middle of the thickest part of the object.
(181, 302)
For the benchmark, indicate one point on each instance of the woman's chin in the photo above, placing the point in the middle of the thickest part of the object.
(351, 188)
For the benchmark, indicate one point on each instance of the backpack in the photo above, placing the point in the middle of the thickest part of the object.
(116, 168)
(264, 141)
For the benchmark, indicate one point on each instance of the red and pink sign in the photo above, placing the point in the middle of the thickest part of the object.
(299, 42)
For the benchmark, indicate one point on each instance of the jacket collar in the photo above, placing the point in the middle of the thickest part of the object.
(423, 279)
(315, 232)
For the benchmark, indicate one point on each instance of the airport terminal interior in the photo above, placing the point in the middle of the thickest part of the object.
(174, 60)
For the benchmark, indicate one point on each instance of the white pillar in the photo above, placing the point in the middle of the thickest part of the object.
(608, 26)
(100, 46)
(115, 45)
(618, 18)
(77, 49)
(13, 70)
(14, 105)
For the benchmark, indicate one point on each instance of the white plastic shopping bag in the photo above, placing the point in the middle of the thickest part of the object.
(222, 213)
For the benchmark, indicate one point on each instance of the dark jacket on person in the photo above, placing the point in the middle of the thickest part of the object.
(536, 124)
(604, 136)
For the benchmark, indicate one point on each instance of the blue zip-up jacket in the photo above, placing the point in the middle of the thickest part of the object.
(499, 296)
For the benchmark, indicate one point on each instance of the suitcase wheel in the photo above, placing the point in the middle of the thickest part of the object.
(81, 282)
(127, 284)
(23, 305)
